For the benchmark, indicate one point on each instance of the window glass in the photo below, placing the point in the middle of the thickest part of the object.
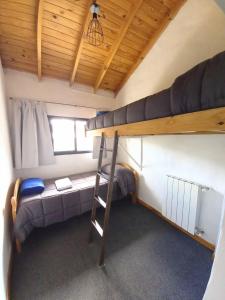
(63, 134)
(68, 135)
(83, 143)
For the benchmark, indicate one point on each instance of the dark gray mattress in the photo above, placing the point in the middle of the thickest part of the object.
(53, 206)
(202, 87)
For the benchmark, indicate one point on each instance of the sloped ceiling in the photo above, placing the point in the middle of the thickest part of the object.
(47, 37)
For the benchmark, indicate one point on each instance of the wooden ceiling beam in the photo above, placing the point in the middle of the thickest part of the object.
(121, 34)
(81, 43)
(152, 41)
(39, 34)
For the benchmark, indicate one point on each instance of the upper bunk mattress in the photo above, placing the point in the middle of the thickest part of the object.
(201, 88)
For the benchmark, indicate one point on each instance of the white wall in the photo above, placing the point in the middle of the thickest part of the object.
(25, 85)
(6, 175)
(216, 287)
(192, 37)
(197, 33)
(196, 158)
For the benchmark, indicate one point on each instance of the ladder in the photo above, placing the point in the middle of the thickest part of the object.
(105, 204)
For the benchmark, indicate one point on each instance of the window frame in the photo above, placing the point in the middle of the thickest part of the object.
(50, 117)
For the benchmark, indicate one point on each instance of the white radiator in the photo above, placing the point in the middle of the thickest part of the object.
(181, 203)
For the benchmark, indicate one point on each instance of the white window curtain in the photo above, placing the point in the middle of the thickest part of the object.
(31, 136)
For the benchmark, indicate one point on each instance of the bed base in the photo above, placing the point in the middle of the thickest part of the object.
(14, 204)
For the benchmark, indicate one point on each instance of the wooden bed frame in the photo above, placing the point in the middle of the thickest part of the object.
(14, 204)
(15, 199)
(205, 121)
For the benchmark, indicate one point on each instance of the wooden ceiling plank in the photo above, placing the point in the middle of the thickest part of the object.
(63, 12)
(22, 66)
(81, 43)
(8, 4)
(92, 60)
(57, 48)
(125, 4)
(57, 60)
(17, 23)
(133, 10)
(152, 41)
(19, 53)
(73, 6)
(15, 31)
(75, 25)
(60, 36)
(142, 34)
(58, 42)
(14, 41)
(157, 7)
(31, 3)
(39, 34)
(114, 12)
(56, 53)
(16, 59)
(56, 69)
(60, 28)
(10, 13)
(90, 64)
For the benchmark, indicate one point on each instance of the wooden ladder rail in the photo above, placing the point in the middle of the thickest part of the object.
(102, 231)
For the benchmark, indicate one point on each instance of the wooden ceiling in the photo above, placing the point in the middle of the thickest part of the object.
(47, 37)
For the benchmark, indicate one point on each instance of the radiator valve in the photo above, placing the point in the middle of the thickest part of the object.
(199, 232)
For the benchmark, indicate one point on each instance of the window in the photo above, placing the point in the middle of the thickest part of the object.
(68, 135)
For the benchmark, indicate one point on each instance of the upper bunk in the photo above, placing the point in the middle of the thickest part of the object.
(195, 103)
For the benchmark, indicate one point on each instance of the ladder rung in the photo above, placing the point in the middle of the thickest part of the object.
(106, 149)
(102, 202)
(97, 227)
(103, 175)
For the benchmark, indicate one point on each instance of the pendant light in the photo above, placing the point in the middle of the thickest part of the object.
(95, 35)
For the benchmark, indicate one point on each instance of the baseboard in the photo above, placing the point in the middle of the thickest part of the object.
(196, 238)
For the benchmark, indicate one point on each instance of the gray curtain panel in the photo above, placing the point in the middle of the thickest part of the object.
(31, 136)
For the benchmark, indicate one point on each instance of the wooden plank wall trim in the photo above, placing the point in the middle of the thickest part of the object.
(159, 214)
(121, 34)
(9, 275)
(39, 34)
(207, 121)
(81, 42)
(152, 42)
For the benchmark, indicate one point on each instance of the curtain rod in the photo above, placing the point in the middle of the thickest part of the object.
(59, 103)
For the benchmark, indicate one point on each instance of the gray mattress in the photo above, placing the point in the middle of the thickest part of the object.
(200, 88)
(53, 206)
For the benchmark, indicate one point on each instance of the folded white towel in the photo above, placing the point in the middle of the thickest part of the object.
(63, 184)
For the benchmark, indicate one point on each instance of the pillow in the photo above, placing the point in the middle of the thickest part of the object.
(32, 186)
(101, 113)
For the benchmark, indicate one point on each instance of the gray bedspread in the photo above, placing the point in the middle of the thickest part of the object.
(53, 206)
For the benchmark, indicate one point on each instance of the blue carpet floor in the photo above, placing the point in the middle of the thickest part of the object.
(146, 259)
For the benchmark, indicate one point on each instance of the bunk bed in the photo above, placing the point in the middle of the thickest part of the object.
(195, 103)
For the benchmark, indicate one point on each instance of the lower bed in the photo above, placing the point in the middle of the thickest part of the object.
(53, 206)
